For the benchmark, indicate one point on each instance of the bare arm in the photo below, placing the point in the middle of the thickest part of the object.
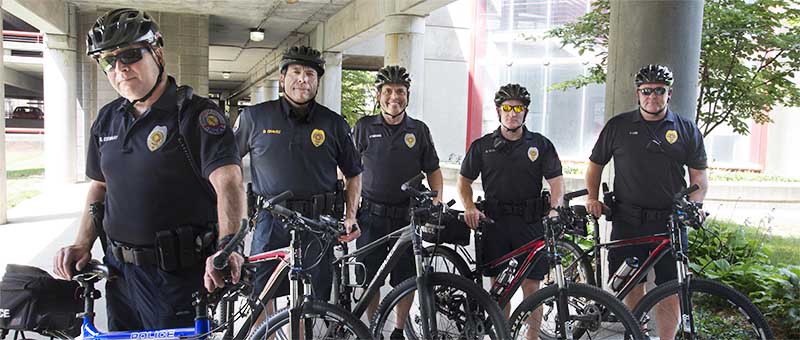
(353, 189)
(71, 258)
(472, 215)
(699, 177)
(227, 182)
(436, 183)
(556, 192)
(593, 177)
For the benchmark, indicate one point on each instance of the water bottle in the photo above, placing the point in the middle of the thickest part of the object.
(624, 273)
(505, 277)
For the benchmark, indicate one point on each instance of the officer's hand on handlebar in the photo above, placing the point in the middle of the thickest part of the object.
(71, 259)
(472, 217)
(353, 231)
(214, 279)
(595, 207)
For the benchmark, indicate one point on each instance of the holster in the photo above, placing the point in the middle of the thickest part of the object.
(184, 247)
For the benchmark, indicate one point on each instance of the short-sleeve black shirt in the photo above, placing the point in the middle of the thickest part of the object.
(646, 176)
(392, 156)
(514, 171)
(150, 185)
(301, 156)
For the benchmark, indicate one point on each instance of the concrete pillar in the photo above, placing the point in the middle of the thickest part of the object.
(60, 100)
(272, 88)
(666, 32)
(3, 178)
(258, 94)
(404, 45)
(330, 87)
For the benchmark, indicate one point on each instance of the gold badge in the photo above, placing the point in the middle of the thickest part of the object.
(411, 140)
(156, 137)
(533, 153)
(317, 137)
(671, 136)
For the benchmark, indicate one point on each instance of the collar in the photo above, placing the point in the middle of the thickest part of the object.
(407, 122)
(527, 134)
(286, 107)
(637, 116)
(166, 102)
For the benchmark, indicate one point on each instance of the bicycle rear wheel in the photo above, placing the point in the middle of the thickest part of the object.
(719, 312)
(447, 260)
(320, 321)
(592, 314)
(463, 310)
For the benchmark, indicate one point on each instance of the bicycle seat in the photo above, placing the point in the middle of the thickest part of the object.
(94, 271)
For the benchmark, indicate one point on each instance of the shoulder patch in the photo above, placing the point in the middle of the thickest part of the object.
(212, 122)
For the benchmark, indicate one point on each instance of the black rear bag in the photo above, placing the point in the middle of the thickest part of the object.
(32, 300)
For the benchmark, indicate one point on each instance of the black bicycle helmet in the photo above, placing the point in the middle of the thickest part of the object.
(392, 74)
(121, 27)
(512, 91)
(654, 74)
(303, 55)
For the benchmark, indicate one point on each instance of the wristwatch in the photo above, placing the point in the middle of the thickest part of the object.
(699, 205)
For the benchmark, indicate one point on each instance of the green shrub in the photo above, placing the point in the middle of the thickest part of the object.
(739, 257)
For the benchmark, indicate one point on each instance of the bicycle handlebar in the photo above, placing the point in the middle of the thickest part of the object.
(408, 187)
(220, 262)
(298, 221)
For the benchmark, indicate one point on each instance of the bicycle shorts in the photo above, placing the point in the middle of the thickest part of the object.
(665, 269)
(507, 234)
(372, 228)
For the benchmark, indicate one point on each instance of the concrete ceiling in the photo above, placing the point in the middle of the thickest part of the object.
(230, 49)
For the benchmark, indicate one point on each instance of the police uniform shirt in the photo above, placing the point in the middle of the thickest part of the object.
(150, 185)
(301, 156)
(512, 171)
(648, 176)
(392, 154)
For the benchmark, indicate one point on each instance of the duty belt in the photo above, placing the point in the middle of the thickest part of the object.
(531, 210)
(396, 211)
(640, 214)
(140, 256)
(322, 204)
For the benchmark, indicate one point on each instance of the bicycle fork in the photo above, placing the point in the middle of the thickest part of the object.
(684, 280)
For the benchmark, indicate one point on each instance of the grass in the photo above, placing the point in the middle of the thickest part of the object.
(25, 173)
(782, 250)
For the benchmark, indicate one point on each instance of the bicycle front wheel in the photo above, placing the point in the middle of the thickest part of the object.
(447, 260)
(463, 310)
(591, 314)
(718, 311)
(320, 320)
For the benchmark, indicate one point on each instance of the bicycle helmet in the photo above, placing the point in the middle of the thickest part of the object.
(512, 91)
(121, 27)
(654, 74)
(392, 74)
(303, 55)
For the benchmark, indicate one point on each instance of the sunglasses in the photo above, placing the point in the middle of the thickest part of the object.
(516, 108)
(127, 57)
(648, 91)
(654, 146)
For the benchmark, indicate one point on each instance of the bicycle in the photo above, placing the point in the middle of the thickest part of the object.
(458, 259)
(446, 305)
(707, 307)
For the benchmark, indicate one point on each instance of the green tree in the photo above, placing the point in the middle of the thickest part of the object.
(358, 94)
(749, 55)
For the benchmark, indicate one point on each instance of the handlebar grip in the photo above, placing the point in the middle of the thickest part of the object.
(280, 198)
(280, 210)
(686, 191)
(574, 194)
(220, 262)
(407, 186)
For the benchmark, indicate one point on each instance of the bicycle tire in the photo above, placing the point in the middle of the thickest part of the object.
(715, 307)
(456, 298)
(345, 325)
(590, 307)
(446, 260)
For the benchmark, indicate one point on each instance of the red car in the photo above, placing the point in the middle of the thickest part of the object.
(27, 112)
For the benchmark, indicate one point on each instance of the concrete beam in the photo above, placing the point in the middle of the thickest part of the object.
(356, 22)
(22, 80)
(48, 16)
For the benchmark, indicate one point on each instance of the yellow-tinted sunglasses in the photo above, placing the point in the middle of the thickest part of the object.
(516, 108)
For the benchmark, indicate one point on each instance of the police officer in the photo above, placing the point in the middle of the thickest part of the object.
(394, 148)
(297, 144)
(512, 162)
(650, 147)
(165, 163)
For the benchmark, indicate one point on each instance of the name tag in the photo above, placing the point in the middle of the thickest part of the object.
(377, 135)
(108, 139)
